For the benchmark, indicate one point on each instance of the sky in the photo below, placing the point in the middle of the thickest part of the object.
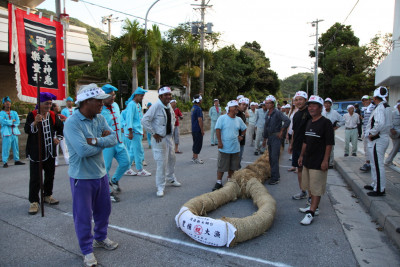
(281, 27)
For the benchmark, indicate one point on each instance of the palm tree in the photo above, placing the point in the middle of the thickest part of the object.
(130, 40)
(156, 48)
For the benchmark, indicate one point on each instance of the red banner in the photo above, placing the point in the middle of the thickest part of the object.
(36, 47)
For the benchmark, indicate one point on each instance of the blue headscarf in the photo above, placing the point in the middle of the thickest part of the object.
(138, 91)
(108, 88)
(69, 99)
(149, 104)
(6, 99)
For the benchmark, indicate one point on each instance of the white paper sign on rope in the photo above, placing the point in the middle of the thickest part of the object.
(205, 230)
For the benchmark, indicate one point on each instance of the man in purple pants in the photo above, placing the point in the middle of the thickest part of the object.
(87, 134)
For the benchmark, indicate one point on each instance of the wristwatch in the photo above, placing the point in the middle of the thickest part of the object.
(94, 141)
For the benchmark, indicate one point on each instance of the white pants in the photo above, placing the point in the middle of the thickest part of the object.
(395, 149)
(377, 149)
(259, 138)
(366, 150)
(164, 155)
(350, 136)
(250, 133)
(64, 149)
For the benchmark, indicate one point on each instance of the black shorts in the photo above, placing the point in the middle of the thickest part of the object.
(295, 158)
(197, 142)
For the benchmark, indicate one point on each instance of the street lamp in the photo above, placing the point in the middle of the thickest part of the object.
(310, 69)
(146, 64)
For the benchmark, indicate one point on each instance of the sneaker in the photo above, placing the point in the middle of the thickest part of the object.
(300, 195)
(114, 198)
(19, 163)
(51, 200)
(130, 172)
(365, 168)
(368, 187)
(273, 182)
(304, 210)
(307, 219)
(346, 155)
(33, 208)
(115, 186)
(354, 154)
(217, 186)
(143, 173)
(89, 260)
(376, 194)
(160, 193)
(144, 163)
(256, 153)
(197, 161)
(175, 183)
(106, 244)
(5, 165)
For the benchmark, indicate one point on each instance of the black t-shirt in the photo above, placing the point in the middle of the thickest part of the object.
(242, 115)
(318, 135)
(169, 129)
(300, 120)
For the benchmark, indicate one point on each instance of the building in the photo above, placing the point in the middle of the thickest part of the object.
(78, 49)
(388, 72)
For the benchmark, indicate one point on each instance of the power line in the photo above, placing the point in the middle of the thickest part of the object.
(124, 13)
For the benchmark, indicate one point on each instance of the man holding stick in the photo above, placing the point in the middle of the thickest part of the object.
(51, 126)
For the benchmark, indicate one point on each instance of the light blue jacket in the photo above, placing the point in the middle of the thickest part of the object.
(86, 161)
(67, 112)
(113, 118)
(214, 115)
(8, 126)
(260, 118)
(134, 115)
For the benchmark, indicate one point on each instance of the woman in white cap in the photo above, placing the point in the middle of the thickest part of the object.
(378, 129)
(351, 119)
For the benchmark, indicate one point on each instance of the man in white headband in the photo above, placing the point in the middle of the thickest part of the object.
(159, 121)
(227, 129)
(214, 113)
(243, 114)
(197, 128)
(337, 121)
(378, 130)
(314, 157)
(87, 134)
(252, 122)
(394, 133)
(368, 108)
(351, 119)
(261, 113)
(300, 120)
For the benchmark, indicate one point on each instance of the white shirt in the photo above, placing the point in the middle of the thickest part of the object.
(333, 116)
(351, 121)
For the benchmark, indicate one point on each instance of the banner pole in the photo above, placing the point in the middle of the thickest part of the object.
(39, 126)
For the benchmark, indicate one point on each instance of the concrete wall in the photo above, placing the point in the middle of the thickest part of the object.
(8, 83)
(185, 128)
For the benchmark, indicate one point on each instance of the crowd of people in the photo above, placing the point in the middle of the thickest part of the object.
(95, 132)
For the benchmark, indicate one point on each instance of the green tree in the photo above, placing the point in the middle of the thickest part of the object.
(155, 44)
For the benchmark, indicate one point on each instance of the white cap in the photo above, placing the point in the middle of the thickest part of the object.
(90, 91)
(349, 107)
(232, 103)
(397, 104)
(328, 100)
(377, 92)
(253, 104)
(365, 97)
(270, 98)
(197, 100)
(172, 101)
(164, 90)
(216, 99)
(316, 99)
(302, 94)
(239, 97)
(286, 106)
(244, 100)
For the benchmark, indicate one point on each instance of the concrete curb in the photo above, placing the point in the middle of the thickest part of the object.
(381, 211)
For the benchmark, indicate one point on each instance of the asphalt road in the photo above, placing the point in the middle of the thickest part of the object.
(144, 226)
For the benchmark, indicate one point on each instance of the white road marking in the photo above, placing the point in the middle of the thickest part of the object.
(192, 245)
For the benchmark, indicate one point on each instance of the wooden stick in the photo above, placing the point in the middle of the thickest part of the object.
(40, 148)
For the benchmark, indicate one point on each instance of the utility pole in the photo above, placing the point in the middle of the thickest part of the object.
(315, 24)
(146, 59)
(202, 8)
(108, 20)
